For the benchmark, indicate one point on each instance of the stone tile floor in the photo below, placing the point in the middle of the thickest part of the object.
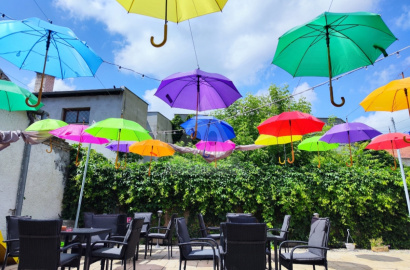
(339, 259)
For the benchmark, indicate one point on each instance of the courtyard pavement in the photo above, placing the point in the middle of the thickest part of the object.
(339, 259)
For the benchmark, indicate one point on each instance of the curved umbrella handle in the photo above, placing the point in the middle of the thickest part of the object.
(165, 37)
(51, 147)
(332, 98)
(404, 139)
(117, 164)
(38, 100)
(149, 170)
(395, 166)
(282, 163)
(351, 162)
(76, 159)
(293, 153)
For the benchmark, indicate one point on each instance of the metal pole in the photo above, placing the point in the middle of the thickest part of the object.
(403, 176)
(82, 186)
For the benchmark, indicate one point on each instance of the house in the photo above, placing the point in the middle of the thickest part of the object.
(158, 122)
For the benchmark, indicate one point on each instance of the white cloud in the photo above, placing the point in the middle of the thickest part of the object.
(310, 95)
(382, 121)
(380, 78)
(238, 43)
(404, 20)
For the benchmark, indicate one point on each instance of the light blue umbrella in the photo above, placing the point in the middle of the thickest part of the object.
(40, 46)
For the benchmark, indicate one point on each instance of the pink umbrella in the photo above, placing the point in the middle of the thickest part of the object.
(215, 146)
(76, 133)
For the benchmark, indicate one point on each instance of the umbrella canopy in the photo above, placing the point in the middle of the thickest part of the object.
(40, 46)
(313, 144)
(215, 146)
(151, 148)
(289, 124)
(197, 90)
(13, 98)
(46, 125)
(348, 133)
(273, 140)
(122, 146)
(209, 129)
(174, 11)
(332, 44)
(119, 129)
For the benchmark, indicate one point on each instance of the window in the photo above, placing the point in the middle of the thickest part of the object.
(76, 115)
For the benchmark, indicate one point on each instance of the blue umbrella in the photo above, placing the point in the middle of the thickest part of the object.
(209, 129)
(40, 46)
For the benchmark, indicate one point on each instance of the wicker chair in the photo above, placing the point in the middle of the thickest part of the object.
(12, 241)
(242, 219)
(316, 246)
(185, 244)
(169, 231)
(145, 228)
(204, 230)
(245, 246)
(283, 236)
(125, 249)
(40, 246)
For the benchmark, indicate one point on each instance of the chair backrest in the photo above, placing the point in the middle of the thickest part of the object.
(319, 236)
(39, 243)
(183, 237)
(171, 227)
(246, 246)
(229, 215)
(285, 227)
(13, 232)
(132, 237)
(202, 226)
(116, 222)
(243, 219)
(147, 219)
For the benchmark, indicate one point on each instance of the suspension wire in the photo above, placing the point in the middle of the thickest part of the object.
(42, 11)
(330, 5)
(5, 16)
(101, 83)
(129, 69)
(193, 44)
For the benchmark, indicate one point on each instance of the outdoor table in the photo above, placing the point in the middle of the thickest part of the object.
(269, 238)
(87, 233)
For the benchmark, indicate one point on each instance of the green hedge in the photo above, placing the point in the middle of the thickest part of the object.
(367, 198)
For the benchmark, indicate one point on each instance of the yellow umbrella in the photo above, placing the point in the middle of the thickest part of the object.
(151, 148)
(174, 11)
(273, 140)
(391, 97)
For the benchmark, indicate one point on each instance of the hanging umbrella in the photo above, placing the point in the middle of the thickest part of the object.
(349, 133)
(119, 129)
(13, 98)
(390, 97)
(209, 128)
(36, 45)
(46, 125)
(151, 148)
(197, 90)
(174, 11)
(215, 146)
(290, 124)
(123, 146)
(332, 44)
(273, 140)
(76, 133)
(313, 144)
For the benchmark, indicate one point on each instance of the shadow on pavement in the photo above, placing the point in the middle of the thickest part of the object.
(347, 265)
(379, 258)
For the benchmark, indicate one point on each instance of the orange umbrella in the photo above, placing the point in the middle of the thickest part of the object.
(151, 148)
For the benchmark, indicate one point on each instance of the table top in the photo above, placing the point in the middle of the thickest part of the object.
(86, 231)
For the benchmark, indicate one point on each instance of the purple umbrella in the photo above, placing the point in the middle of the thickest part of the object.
(348, 133)
(122, 146)
(197, 90)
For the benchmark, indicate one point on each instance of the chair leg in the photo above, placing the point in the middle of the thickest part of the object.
(138, 249)
(314, 268)
(185, 265)
(171, 247)
(125, 264)
(146, 247)
(133, 263)
(5, 261)
(168, 251)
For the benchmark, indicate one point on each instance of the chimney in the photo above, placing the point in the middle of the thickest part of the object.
(48, 83)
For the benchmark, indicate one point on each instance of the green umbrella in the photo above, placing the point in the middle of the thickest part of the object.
(332, 44)
(46, 125)
(119, 129)
(313, 144)
(13, 98)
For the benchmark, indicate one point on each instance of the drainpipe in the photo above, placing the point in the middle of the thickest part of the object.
(24, 166)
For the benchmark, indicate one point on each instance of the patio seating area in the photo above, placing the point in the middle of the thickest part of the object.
(338, 259)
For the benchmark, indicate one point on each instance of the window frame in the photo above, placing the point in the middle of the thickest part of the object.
(78, 110)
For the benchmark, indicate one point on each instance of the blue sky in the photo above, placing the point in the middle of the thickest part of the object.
(238, 43)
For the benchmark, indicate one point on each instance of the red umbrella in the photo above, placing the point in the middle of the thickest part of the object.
(289, 124)
(389, 141)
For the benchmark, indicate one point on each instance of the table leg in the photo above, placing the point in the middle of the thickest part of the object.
(269, 256)
(87, 253)
(275, 244)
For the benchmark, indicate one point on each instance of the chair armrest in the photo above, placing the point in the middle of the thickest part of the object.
(108, 242)
(199, 244)
(116, 237)
(78, 244)
(10, 240)
(213, 228)
(276, 229)
(305, 246)
(158, 228)
(290, 241)
(206, 239)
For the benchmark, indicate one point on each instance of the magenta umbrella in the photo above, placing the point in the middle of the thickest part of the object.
(215, 146)
(197, 90)
(76, 133)
(349, 133)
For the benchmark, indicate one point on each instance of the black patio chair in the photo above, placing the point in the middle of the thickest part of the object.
(12, 242)
(229, 215)
(119, 250)
(243, 219)
(167, 235)
(145, 228)
(185, 244)
(283, 236)
(316, 246)
(205, 230)
(40, 246)
(245, 246)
